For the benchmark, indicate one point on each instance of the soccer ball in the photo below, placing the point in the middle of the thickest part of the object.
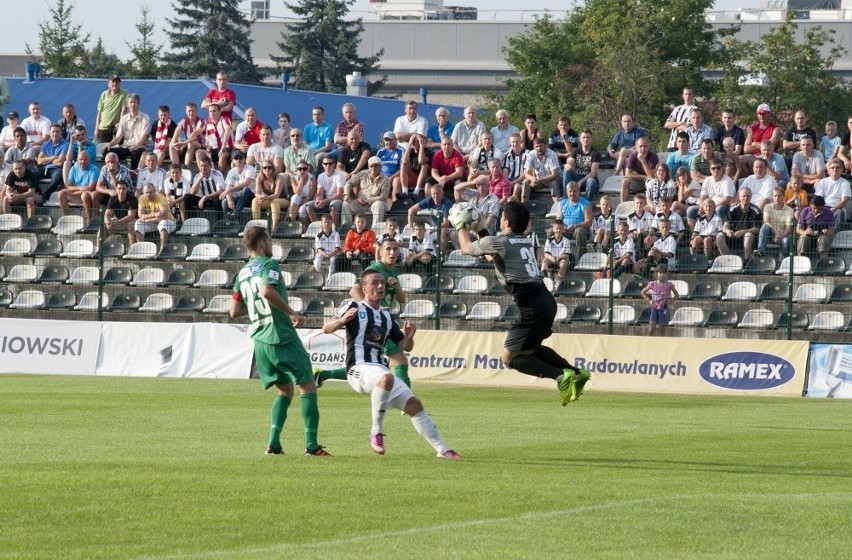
(464, 215)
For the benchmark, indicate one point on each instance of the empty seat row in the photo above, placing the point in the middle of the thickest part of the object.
(149, 276)
(158, 302)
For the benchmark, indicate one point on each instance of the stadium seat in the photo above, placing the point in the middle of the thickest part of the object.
(288, 229)
(722, 318)
(142, 251)
(10, 222)
(801, 265)
(537, 208)
(47, 248)
(681, 286)
(741, 291)
(842, 240)
(621, 315)
(255, 223)
(61, 300)
(277, 251)
(299, 253)
(6, 297)
(624, 209)
(570, 286)
(585, 314)
(23, 273)
(418, 309)
(92, 228)
(687, 317)
(125, 302)
(726, 264)
(180, 277)
(644, 316)
(157, 303)
(634, 287)
(68, 225)
(693, 263)
(314, 228)
(287, 279)
(612, 185)
(112, 248)
(472, 284)
(841, 293)
(148, 276)
(811, 292)
(592, 262)
(2, 271)
(760, 265)
(484, 311)
(794, 320)
(174, 251)
(79, 249)
(562, 313)
(17, 247)
(453, 310)
(50, 274)
(309, 281)
(190, 304)
(757, 319)
(195, 227)
(214, 278)
(204, 252)
(410, 283)
(225, 228)
(457, 259)
(773, 291)
(828, 321)
(218, 304)
(235, 252)
(601, 288)
(38, 224)
(340, 282)
(323, 307)
(830, 266)
(706, 289)
(89, 302)
(118, 275)
(85, 275)
(445, 283)
(29, 299)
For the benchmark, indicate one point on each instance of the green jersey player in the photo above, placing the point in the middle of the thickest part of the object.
(279, 354)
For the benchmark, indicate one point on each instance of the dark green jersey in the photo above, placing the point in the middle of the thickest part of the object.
(389, 297)
(269, 324)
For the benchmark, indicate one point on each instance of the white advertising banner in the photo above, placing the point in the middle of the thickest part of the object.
(62, 347)
(830, 374)
(175, 350)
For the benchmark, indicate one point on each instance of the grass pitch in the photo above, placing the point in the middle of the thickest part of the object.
(124, 468)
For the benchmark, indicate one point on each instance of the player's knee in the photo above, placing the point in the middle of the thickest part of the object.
(413, 406)
(386, 381)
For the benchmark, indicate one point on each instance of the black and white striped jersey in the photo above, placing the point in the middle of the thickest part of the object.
(367, 332)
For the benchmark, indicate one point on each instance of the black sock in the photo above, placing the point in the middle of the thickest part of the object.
(550, 357)
(531, 365)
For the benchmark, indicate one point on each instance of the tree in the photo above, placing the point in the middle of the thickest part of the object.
(61, 41)
(788, 74)
(321, 49)
(145, 51)
(209, 36)
(98, 62)
(611, 56)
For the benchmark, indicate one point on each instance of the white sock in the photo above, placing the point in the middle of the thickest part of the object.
(379, 398)
(426, 428)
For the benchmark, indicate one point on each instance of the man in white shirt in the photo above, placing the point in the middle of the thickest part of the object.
(131, 135)
(835, 190)
(410, 123)
(467, 132)
(151, 174)
(761, 184)
(266, 150)
(36, 125)
(239, 185)
(330, 187)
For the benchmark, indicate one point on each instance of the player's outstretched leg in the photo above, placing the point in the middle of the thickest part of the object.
(277, 417)
(426, 427)
(323, 375)
(580, 376)
(379, 398)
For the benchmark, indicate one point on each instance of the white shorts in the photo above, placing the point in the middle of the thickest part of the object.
(146, 227)
(363, 378)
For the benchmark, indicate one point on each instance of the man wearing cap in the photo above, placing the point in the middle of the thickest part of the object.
(410, 123)
(757, 132)
(248, 131)
(239, 184)
(112, 104)
(131, 134)
(367, 191)
(391, 158)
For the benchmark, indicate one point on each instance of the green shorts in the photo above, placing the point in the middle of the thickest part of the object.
(282, 363)
(391, 348)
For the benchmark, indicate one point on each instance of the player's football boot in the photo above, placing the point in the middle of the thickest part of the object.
(580, 379)
(449, 454)
(377, 443)
(274, 451)
(318, 452)
(566, 386)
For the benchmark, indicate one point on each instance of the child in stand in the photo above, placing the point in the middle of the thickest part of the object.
(600, 226)
(623, 252)
(557, 253)
(176, 189)
(707, 227)
(391, 232)
(830, 143)
(421, 252)
(659, 293)
(795, 197)
(326, 245)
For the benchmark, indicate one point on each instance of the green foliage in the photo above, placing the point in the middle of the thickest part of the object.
(98, 62)
(61, 41)
(321, 49)
(146, 52)
(117, 467)
(611, 56)
(208, 36)
(797, 75)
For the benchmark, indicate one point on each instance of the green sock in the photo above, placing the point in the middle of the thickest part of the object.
(277, 417)
(401, 371)
(339, 373)
(310, 416)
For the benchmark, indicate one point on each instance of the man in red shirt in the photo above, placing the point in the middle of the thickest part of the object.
(763, 129)
(222, 96)
(447, 167)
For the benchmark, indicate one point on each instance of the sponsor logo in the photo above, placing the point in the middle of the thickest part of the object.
(746, 371)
